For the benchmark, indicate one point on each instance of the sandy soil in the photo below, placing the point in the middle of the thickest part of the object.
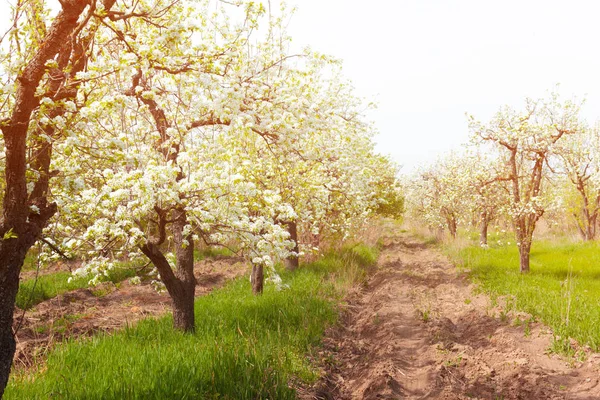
(85, 312)
(419, 330)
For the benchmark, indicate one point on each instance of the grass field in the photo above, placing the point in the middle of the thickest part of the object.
(35, 290)
(245, 346)
(562, 289)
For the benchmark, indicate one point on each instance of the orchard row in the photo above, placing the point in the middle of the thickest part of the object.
(139, 129)
(522, 165)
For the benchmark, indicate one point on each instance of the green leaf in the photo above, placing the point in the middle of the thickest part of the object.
(10, 235)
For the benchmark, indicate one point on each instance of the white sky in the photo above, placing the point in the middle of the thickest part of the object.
(427, 62)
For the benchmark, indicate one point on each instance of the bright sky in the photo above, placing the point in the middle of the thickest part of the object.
(427, 62)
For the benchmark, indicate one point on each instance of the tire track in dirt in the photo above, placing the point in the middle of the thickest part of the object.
(418, 330)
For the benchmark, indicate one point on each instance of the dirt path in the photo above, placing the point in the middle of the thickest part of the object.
(419, 331)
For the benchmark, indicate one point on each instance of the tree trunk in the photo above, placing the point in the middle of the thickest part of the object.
(592, 227)
(524, 250)
(17, 216)
(590, 232)
(589, 235)
(483, 232)
(293, 262)
(181, 283)
(183, 301)
(580, 228)
(11, 261)
(257, 279)
(589, 212)
(452, 227)
(183, 310)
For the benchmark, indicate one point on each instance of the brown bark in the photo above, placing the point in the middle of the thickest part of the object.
(183, 300)
(525, 224)
(180, 283)
(524, 251)
(524, 227)
(257, 279)
(452, 226)
(26, 227)
(292, 262)
(483, 231)
(12, 255)
(589, 212)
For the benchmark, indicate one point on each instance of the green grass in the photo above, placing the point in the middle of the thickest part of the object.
(562, 289)
(245, 346)
(30, 262)
(51, 285)
(212, 252)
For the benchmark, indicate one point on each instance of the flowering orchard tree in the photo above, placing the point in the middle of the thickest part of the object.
(197, 139)
(580, 162)
(111, 82)
(441, 194)
(525, 141)
(141, 115)
(42, 59)
(487, 195)
(151, 174)
(460, 189)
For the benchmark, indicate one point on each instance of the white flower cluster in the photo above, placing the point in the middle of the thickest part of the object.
(187, 122)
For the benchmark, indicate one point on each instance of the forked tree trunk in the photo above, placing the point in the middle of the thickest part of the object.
(293, 262)
(586, 232)
(180, 283)
(590, 231)
(257, 279)
(589, 213)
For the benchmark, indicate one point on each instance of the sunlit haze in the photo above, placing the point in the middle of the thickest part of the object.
(427, 62)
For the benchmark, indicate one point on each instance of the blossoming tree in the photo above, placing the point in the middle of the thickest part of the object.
(580, 162)
(525, 141)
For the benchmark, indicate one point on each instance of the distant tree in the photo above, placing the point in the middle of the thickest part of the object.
(525, 141)
(488, 195)
(442, 192)
(580, 162)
